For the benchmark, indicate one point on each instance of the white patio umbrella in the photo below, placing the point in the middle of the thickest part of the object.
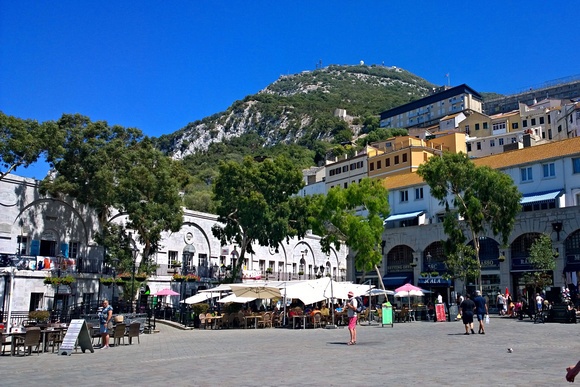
(233, 298)
(256, 291)
(200, 297)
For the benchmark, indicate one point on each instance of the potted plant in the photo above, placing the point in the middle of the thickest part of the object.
(125, 276)
(269, 270)
(424, 274)
(191, 278)
(39, 316)
(174, 263)
(300, 273)
(140, 277)
(434, 274)
(108, 281)
(501, 258)
(178, 277)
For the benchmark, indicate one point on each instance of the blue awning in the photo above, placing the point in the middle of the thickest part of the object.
(397, 279)
(540, 197)
(408, 215)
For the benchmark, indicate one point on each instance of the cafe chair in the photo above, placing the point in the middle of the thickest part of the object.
(95, 333)
(266, 320)
(208, 320)
(4, 342)
(317, 320)
(225, 323)
(119, 334)
(31, 339)
(202, 321)
(134, 331)
(54, 339)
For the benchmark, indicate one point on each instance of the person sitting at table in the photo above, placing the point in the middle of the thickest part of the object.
(324, 311)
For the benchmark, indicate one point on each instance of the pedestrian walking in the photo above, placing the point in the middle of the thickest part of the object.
(467, 307)
(351, 306)
(572, 371)
(480, 311)
(500, 302)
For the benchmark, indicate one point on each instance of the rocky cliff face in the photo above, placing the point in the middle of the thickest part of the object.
(302, 106)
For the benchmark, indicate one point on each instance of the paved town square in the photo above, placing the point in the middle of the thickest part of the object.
(415, 353)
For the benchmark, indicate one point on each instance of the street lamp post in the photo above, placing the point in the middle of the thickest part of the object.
(135, 250)
(114, 262)
(59, 259)
(184, 267)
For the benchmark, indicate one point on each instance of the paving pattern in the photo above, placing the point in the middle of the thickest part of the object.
(417, 353)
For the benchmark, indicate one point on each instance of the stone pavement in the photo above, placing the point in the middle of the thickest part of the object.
(417, 353)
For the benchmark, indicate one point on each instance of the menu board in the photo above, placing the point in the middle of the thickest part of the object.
(77, 332)
(440, 312)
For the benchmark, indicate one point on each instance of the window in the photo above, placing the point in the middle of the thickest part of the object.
(372, 167)
(576, 165)
(476, 126)
(491, 143)
(478, 145)
(499, 126)
(533, 121)
(396, 160)
(345, 168)
(500, 141)
(73, 251)
(469, 147)
(513, 140)
(352, 166)
(485, 125)
(541, 120)
(345, 185)
(404, 196)
(514, 125)
(404, 157)
(526, 174)
(359, 164)
(549, 170)
(387, 162)
(172, 255)
(524, 123)
(379, 164)
(22, 242)
(466, 129)
(418, 193)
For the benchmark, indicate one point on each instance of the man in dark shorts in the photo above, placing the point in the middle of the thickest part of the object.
(467, 307)
(480, 310)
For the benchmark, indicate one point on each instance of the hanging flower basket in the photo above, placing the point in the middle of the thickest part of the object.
(125, 276)
(187, 278)
(108, 281)
(501, 258)
(56, 281)
(140, 277)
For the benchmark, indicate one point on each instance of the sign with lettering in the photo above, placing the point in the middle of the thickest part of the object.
(77, 333)
(440, 312)
(435, 281)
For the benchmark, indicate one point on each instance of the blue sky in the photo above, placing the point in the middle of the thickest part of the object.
(159, 65)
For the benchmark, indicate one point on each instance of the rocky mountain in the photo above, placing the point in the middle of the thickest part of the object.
(300, 109)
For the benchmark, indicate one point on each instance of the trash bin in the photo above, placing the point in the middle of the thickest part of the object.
(387, 311)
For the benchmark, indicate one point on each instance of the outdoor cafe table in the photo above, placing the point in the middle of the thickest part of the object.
(43, 333)
(303, 317)
(253, 317)
(214, 321)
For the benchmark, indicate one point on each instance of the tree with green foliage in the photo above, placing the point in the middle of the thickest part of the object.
(109, 168)
(543, 259)
(476, 198)
(255, 204)
(22, 142)
(353, 216)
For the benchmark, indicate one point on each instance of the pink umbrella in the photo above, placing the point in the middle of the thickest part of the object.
(408, 288)
(166, 292)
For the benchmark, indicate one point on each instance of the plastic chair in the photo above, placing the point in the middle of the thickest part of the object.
(317, 320)
(30, 340)
(202, 321)
(134, 331)
(119, 333)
